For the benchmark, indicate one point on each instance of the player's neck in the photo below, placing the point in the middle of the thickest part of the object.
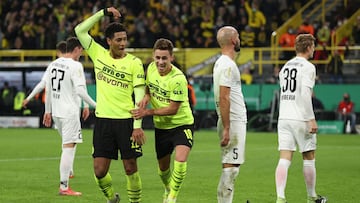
(229, 52)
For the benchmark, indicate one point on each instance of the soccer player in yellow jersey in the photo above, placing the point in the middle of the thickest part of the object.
(119, 75)
(166, 89)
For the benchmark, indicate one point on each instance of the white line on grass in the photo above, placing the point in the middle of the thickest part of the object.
(39, 159)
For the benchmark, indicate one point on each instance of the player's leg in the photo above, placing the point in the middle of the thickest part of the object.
(179, 172)
(286, 146)
(70, 132)
(72, 174)
(281, 174)
(164, 173)
(104, 150)
(309, 172)
(182, 139)
(233, 156)
(129, 151)
(164, 148)
(102, 177)
(134, 184)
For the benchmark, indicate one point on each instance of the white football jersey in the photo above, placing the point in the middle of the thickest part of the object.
(63, 76)
(297, 74)
(226, 73)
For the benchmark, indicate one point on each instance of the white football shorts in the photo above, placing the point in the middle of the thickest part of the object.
(234, 152)
(292, 133)
(69, 130)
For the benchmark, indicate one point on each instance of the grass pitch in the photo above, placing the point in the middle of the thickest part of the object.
(29, 170)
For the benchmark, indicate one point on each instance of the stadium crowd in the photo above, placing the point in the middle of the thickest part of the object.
(39, 24)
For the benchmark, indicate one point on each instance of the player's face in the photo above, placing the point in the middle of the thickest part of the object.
(118, 44)
(163, 60)
(78, 52)
(311, 51)
(237, 44)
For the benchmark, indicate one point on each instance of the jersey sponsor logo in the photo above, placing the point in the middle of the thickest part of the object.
(158, 90)
(101, 76)
(140, 76)
(178, 92)
(160, 98)
(111, 72)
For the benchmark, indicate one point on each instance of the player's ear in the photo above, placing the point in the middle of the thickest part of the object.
(108, 41)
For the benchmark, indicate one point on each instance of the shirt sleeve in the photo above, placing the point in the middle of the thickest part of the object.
(47, 94)
(226, 76)
(82, 30)
(179, 91)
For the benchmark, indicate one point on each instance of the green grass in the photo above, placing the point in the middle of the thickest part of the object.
(29, 169)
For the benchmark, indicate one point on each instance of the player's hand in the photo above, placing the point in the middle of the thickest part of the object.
(115, 13)
(225, 138)
(144, 102)
(25, 102)
(313, 128)
(138, 113)
(138, 136)
(85, 113)
(47, 119)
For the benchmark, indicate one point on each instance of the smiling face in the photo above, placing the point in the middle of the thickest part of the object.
(117, 44)
(163, 60)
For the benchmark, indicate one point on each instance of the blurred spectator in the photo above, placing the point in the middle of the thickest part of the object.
(287, 40)
(321, 54)
(274, 79)
(318, 106)
(356, 31)
(256, 18)
(261, 38)
(335, 67)
(7, 98)
(247, 37)
(323, 34)
(306, 27)
(18, 100)
(356, 34)
(191, 92)
(207, 31)
(246, 76)
(346, 112)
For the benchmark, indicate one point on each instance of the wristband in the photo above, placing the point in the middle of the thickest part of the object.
(106, 13)
(137, 123)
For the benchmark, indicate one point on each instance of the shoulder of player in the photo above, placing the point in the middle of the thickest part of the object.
(226, 61)
(177, 74)
(133, 57)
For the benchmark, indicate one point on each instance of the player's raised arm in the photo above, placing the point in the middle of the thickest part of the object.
(83, 28)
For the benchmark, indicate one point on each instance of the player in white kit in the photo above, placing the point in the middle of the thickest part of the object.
(65, 83)
(60, 51)
(230, 107)
(296, 124)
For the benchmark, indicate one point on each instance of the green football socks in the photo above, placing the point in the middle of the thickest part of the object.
(177, 178)
(165, 177)
(134, 187)
(105, 185)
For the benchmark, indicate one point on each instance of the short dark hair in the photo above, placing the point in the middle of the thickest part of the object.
(61, 46)
(164, 44)
(72, 43)
(112, 28)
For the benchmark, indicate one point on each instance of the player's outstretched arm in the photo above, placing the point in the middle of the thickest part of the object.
(37, 89)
